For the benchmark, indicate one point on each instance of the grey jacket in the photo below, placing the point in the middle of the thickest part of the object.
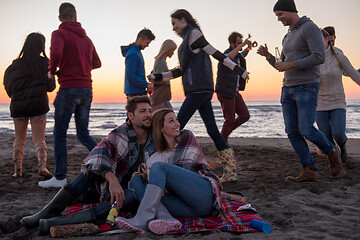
(304, 46)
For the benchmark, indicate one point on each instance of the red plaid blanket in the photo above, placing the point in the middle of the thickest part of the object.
(236, 221)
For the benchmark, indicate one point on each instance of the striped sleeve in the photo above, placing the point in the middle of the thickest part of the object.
(198, 42)
(173, 73)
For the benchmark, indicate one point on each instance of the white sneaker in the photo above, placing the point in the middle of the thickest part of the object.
(52, 182)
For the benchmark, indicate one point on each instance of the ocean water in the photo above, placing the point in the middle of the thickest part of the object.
(265, 121)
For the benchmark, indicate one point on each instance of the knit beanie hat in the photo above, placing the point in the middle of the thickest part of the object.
(285, 5)
(330, 30)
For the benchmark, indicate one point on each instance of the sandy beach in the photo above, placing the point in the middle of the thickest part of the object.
(329, 209)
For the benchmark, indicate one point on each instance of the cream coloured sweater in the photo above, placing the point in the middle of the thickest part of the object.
(331, 93)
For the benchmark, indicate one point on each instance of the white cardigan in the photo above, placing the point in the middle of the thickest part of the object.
(331, 93)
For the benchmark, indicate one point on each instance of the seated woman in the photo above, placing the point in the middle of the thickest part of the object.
(180, 181)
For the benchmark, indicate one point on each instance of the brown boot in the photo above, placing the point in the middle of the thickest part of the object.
(41, 152)
(18, 153)
(334, 160)
(306, 175)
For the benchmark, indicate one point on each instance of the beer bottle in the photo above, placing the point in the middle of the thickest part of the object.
(113, 214)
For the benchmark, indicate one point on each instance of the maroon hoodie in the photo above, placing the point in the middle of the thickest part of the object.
(74, 54)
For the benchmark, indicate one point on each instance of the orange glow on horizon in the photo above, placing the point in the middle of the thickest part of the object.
(255, 91)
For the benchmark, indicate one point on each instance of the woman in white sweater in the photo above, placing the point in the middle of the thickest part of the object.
(331, 108)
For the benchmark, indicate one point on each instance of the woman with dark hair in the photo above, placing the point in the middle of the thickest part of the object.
(331, 105)
(27, 84)
(197, 79)
(180, 181)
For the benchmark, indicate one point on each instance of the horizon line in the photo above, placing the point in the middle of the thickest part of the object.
(182, 102)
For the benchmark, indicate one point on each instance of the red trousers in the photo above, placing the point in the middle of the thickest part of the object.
(230, 107)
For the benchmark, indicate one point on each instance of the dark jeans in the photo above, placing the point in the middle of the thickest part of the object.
(231, 107)
(83, 182)
(202, 102)
(332, 124)
(299, 106)
(190, 195)
(67, 102)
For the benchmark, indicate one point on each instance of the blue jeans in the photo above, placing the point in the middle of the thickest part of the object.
(190, 195)
(299, 106)
(202, 102)
(332, 124)
(83, 182)
(67, 102)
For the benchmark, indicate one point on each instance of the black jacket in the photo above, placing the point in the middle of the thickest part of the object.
(28, 94)
(196, 68)
(227, 80)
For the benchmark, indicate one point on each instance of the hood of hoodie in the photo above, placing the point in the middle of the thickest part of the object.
(125, 49)
(301, 21)
(74, 27)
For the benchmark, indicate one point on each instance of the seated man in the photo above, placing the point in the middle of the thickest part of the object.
(109, 166)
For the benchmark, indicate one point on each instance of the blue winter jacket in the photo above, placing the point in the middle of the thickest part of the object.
(135, 81)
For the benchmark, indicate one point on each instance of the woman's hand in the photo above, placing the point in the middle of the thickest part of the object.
(142, 170)
(151, 78)
(116, 191)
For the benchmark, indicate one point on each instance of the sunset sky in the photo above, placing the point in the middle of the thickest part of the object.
(111, 23)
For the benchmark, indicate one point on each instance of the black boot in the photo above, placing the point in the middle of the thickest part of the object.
(85, 216)
(343, 153)
(54, 208)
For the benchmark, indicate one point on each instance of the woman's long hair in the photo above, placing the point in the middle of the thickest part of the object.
(182, 13)
(166, 46)
(34, 45)
(158, 118)
(332, 49)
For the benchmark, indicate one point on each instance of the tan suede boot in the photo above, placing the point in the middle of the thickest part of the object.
(334, 160)
(227, 159)
(41, 152)
(306, 175)
(18, 154)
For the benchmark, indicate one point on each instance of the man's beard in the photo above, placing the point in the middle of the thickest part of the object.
(145, 127)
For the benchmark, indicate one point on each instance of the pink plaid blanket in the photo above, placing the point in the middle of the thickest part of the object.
(236, 221)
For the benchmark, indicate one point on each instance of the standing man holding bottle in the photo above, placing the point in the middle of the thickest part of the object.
(303, 52)
(228, 86)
